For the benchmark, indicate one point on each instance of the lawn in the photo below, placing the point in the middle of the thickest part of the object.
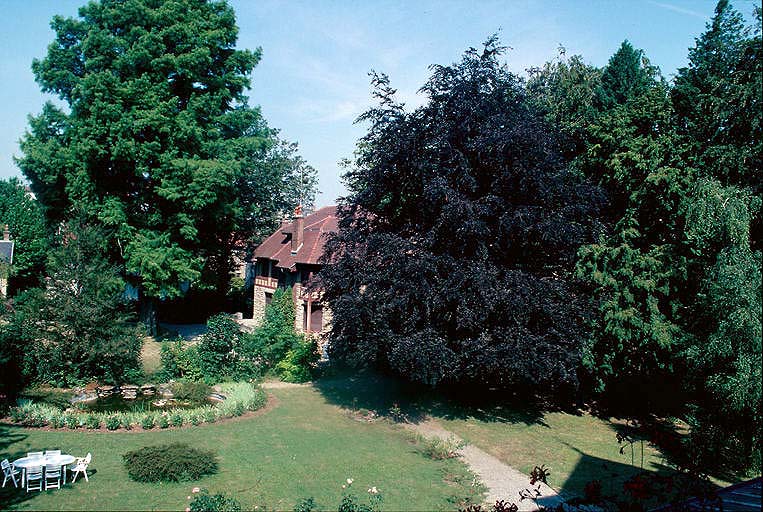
(303, 447)
(577, 448)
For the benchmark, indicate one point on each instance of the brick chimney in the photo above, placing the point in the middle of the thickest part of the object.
(298, 231)
(6, 234)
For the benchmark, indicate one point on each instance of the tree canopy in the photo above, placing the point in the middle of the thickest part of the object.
(456, 244)
(159, 144)
(26, 222)
(677, 279)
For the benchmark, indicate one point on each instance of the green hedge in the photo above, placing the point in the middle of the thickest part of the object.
(241, 397)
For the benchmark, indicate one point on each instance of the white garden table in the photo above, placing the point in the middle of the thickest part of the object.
(48, 460)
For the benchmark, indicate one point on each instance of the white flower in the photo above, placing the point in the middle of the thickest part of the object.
(195, 490)
(373, 490)
(349, 481)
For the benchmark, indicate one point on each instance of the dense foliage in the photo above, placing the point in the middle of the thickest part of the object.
(26, 222)
(78, 327)
(226, 352)
(457, 242)
(678, 277)
(175, 462)
(216, 356)
(158, 143)
(205, 502)
(271, 341)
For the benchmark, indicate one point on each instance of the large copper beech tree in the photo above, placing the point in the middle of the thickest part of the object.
(457, 241)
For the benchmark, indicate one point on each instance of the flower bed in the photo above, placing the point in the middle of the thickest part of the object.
(240, 397)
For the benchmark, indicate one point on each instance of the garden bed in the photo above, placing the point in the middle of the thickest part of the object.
(240, 398)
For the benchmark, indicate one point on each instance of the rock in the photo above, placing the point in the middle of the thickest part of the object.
(166, 390)
(159, 403)
(130, 392)
(106, 390)
(148, 390)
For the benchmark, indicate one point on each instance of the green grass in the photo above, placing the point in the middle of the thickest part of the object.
(303, 447)
(577, 448)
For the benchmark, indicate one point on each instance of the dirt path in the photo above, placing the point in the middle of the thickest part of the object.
(503, 482)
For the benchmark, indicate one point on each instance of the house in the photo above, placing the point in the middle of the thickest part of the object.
(290, 258)
(6, 259)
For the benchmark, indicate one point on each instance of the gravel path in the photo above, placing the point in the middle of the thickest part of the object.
(503, 482)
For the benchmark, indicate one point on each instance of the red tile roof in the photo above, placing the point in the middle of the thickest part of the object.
(277, 246)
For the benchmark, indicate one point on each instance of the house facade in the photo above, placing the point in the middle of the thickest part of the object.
(290, 258)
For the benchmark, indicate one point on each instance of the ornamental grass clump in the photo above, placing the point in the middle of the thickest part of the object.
(175, 462)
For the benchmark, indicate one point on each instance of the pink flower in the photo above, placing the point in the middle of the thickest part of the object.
(187, 509)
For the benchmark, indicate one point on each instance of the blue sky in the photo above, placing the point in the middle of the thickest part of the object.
(313, 79)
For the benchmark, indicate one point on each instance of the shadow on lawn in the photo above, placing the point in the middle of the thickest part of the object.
(384, 394)
(11, 496)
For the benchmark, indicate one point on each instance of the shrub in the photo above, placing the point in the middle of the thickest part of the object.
(58, 421)
(300, 362)
(191, 391)
(176, 419)
(180, 361)
(148, 421)
(113, 422)
(93, 421)
(216, 354)
(276, 336)
(439, 449)
(205, 502)
(71, 421)
(169, 463)
(306, 505)
(164, 421)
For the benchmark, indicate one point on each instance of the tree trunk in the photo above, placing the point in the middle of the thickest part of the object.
(148, 315)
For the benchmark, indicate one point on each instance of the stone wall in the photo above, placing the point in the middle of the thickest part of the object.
(258, 304)
(299, 313)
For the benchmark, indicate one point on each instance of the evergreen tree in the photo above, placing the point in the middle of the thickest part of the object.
(564, 92)
(718, 102)
(159, 144)
(77, 328)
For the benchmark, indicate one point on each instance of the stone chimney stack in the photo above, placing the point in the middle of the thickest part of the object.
(298, 232)
(6, 234)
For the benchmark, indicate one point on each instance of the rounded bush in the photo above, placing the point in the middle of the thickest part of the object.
(175, 462)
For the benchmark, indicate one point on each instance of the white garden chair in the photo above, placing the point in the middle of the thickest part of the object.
(52, 477)
(52, 452)
(37, 455)
(81, 467)
(34, 480)
(9, 472)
